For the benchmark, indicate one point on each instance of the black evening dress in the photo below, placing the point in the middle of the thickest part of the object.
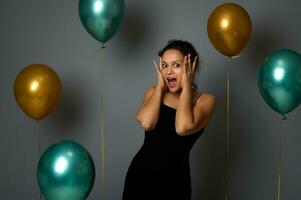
(160, 169)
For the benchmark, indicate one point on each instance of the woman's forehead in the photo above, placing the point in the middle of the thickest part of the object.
(172, 55)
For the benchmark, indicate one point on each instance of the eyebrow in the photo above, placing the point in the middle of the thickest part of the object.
(172, 61)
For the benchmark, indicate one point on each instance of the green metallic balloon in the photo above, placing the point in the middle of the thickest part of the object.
(66, 171)
(279, 80)
(101, 18)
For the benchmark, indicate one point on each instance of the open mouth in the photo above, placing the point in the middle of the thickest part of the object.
(171, 82)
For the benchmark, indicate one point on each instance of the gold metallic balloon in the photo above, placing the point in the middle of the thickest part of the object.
(37, 90)
(229, 29)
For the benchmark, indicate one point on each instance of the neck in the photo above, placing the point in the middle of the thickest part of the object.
(176, 94)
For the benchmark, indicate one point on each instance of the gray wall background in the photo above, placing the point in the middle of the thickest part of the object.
(50, 32)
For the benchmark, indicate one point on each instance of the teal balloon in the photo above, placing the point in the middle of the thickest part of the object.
(66, 171)
(279, 80)
(101, 18)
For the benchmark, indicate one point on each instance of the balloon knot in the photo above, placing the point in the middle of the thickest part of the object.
(284, 118)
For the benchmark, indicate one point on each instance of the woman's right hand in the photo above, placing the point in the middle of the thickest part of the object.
(161, 83)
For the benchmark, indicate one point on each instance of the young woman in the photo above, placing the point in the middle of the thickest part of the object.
(174, 115)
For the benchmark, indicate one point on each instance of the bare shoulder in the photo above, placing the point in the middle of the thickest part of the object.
(205, 104)
(206, 99)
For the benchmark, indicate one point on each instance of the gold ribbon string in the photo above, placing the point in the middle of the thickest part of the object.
(279, 169)
(280, 161)
(102, 117)
(228, 134)
(39, 150)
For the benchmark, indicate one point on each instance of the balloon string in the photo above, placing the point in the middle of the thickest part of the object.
(39, 139)
(279, 168)
(280, 162)
(279, 172)
(228, 134)
(39, 150)
(102, 117)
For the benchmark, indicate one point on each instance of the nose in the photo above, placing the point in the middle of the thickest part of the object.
(169, 70)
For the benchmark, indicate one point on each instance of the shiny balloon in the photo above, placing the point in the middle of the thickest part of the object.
(37, 89)
(229, 29)
(101, 18)
(66, 171)
(279, 80)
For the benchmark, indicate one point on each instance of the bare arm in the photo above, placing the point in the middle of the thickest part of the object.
(148, 113)
(191, 118)
(184, 113)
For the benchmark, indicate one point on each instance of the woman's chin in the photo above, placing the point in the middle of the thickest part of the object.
(174, 89)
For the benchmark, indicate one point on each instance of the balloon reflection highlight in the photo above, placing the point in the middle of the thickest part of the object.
(225, 23)
(61, 165)
(98, 6)
(278, 74)
(34, 86)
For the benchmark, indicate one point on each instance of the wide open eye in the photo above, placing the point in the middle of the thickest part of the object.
(176, 65)
(164, 65)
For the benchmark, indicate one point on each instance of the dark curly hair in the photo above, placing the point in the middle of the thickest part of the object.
(185, 48)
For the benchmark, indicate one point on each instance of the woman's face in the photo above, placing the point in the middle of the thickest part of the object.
(172, 69)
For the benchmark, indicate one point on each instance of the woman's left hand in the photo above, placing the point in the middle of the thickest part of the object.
(188, 71)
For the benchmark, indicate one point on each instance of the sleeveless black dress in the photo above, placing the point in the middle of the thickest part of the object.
(160, 169)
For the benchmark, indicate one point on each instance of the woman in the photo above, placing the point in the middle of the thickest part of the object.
(174, 114)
